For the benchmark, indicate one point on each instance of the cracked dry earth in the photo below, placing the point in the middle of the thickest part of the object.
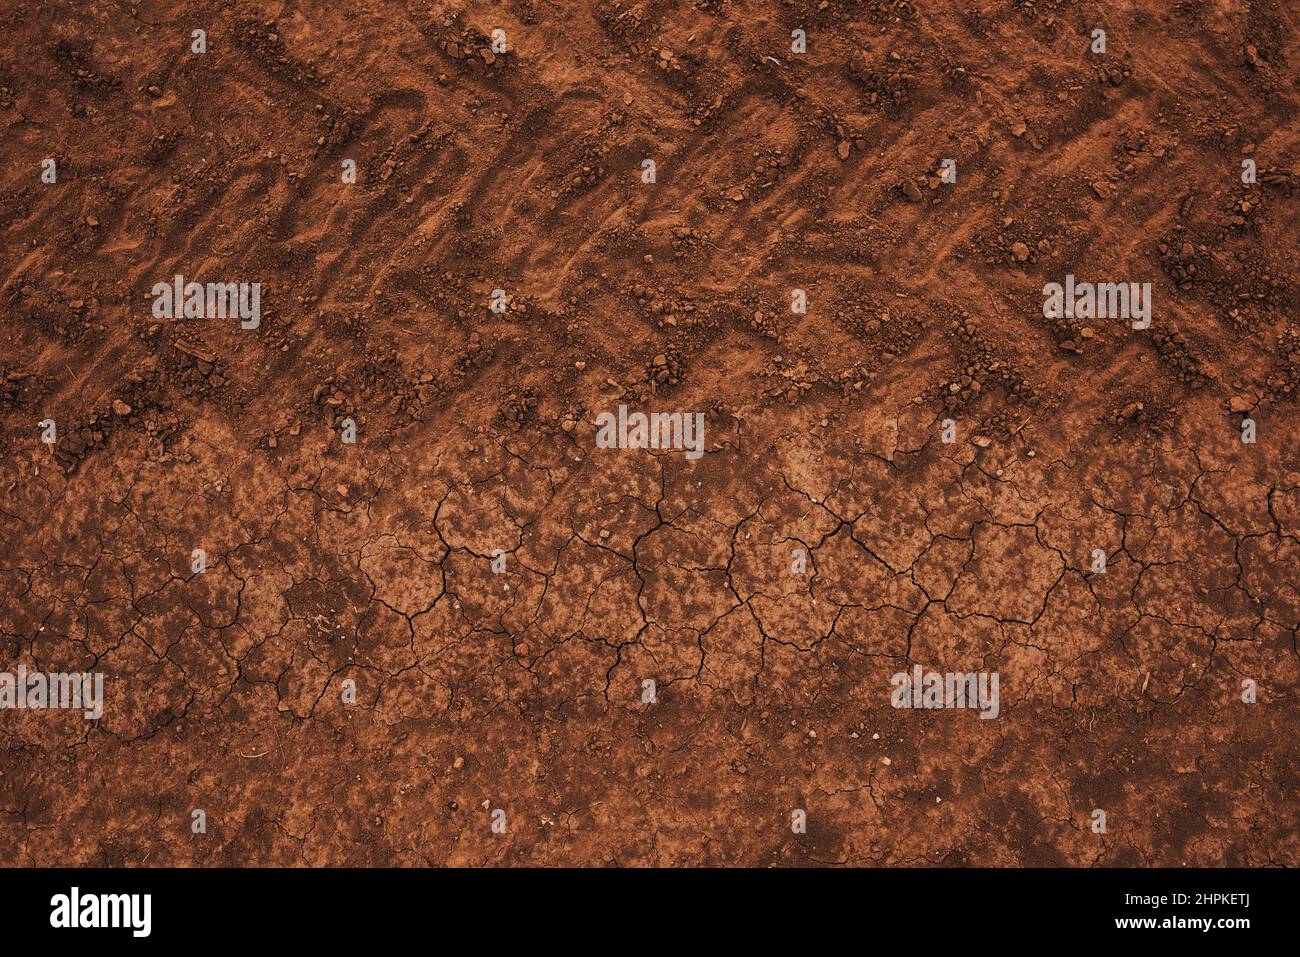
(522, 691)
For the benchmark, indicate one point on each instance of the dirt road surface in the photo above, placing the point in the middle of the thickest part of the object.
(474, 636)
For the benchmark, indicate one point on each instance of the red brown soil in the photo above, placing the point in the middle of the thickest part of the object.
(476, 432)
